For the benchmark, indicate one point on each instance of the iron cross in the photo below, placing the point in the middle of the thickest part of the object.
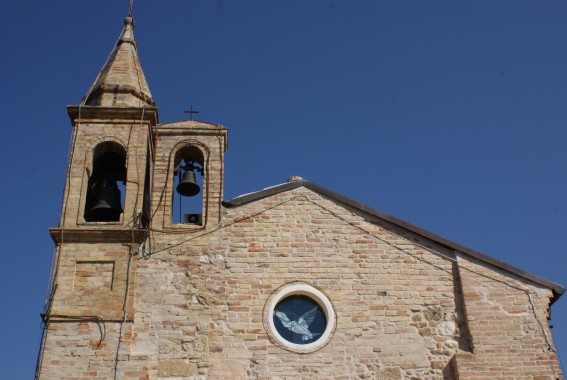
(191, 112)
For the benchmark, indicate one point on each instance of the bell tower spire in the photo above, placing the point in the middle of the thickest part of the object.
(121, 81)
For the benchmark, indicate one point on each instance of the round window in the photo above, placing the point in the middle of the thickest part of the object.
(300, 318)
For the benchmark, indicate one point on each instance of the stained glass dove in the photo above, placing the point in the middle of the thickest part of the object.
(301, 326)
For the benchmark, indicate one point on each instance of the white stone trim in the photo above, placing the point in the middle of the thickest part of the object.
(299, 288)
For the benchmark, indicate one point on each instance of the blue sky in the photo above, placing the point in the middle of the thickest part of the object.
(451, 115)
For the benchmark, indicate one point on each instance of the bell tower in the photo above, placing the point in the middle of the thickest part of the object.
(106, 205)
(111, 143)
(133, 188)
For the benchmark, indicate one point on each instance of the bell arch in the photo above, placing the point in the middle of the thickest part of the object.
(189, 183)
(106, 183)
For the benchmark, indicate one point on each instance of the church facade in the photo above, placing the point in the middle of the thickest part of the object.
(158, 277)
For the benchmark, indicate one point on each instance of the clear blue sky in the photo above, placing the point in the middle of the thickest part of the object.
(451, 115)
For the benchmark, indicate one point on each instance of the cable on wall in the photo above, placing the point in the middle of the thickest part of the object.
(124, 307)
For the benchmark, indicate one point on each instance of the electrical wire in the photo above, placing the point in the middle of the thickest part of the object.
(124, 309)
(135, 225)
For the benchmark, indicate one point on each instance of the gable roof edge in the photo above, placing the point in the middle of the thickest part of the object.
(557, 289)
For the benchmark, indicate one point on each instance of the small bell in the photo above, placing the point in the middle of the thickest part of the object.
(188, 186)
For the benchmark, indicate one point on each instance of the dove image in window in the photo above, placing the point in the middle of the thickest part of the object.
(301, 326)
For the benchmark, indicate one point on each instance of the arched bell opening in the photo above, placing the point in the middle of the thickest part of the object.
(187, 198)
(106, 184)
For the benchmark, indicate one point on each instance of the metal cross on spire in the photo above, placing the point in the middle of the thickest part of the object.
(191, 112)
(130, 6)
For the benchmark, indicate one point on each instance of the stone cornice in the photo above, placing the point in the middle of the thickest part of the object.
(113, 113)
(115, 89)
(192, 128)
(98, 235)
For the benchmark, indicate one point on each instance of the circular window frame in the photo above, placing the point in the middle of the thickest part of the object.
(301, 289)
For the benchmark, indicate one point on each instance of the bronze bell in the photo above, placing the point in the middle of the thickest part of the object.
(107, 206)
(188, 186)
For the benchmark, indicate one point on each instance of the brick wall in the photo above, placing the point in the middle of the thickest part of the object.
(199, 302)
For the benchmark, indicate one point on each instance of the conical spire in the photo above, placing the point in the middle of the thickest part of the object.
(121, 82)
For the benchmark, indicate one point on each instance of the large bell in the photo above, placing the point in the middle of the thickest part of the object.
(188, 187)
(107, 206)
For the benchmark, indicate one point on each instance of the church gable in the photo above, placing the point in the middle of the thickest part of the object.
(393, 301)
(453, 306)
(384, 288)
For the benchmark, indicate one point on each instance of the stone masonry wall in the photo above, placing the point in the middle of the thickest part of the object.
(92, 281)
(406, 308)
(199, 304)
